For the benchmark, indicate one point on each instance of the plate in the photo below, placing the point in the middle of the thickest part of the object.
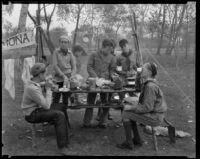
(64, 89)
(131, 83)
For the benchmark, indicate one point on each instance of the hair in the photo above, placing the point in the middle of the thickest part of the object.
(37, 69)
(77, 48)
(107, 42)
(64, 37)
(123, 42)
(153, 68)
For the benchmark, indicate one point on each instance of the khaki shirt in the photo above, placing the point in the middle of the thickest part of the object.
(151, 99)
(127, 62)
(63, 64)
(101, 66)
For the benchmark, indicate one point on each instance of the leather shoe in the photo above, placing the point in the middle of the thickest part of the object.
(97, 118)
(64, 151)
(110, 117)
(125, 145)
(137, 142)
(102, 126)
(89, 126)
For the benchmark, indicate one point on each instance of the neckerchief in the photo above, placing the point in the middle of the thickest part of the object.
(64, 52)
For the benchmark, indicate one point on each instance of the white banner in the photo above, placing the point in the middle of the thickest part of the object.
(19, 40)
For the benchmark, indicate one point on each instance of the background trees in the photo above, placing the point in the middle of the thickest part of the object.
(161, 26)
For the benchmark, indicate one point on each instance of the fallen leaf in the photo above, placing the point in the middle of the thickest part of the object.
(105, 137)
(182, 134)
(29, 138)
(27, 131)
(20, 137)
(3, 132)
(190, 121)
(193, 139)
(40, 130)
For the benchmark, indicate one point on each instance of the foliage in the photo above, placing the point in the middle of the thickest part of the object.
(63, 12)
(56, 33)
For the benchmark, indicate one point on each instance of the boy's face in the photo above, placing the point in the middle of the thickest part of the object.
(42, 76)
(145, 72)
(64, 44)
(125, 48)
(107, 50)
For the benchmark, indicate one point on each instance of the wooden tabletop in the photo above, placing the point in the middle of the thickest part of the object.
(99, 90)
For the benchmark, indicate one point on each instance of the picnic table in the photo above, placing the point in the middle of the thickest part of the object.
(98, 105)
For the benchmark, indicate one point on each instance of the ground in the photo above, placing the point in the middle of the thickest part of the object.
(15, 131)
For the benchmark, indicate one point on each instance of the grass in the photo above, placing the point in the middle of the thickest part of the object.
(102, 142)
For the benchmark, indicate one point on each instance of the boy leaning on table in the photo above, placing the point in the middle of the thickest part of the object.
(100, 65)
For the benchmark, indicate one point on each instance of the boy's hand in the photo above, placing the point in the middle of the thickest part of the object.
(49, 84)
(129, 107)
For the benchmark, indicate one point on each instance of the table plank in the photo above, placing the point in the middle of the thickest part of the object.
(99, 90)
(93, 106)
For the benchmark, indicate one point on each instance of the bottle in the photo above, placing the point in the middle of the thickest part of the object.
(65, 84)
(138, 84)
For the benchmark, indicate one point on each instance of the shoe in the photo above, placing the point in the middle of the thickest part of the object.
(97, 118)
(64, 151)
(110, 118)
(102, 126)
(71, 134)
(138, 143)
(125, 145)
(89, 126)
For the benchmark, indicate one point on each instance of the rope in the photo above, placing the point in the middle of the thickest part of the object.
(179, 88)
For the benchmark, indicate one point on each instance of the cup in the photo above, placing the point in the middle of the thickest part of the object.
(92, 83)
(139, 69)
(119, 68)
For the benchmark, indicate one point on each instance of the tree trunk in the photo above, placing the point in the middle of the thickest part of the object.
(48, 42)
(186, 40)
(48, 37)
(23, 17)
(176, 51)
(139, 60)
(162, 31)
(21, 28)
(152, 33)
(38, 48)
(141, 28)
(177, 30)
(76, 29)
(168, 52)
(91, 39)
(158, 20)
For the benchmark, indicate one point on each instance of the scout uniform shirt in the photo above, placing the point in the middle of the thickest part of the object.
(100, 66)
(63, 63)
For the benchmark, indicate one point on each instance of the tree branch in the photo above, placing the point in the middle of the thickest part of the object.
(45, 14)
(52, 13)
(31, 17)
